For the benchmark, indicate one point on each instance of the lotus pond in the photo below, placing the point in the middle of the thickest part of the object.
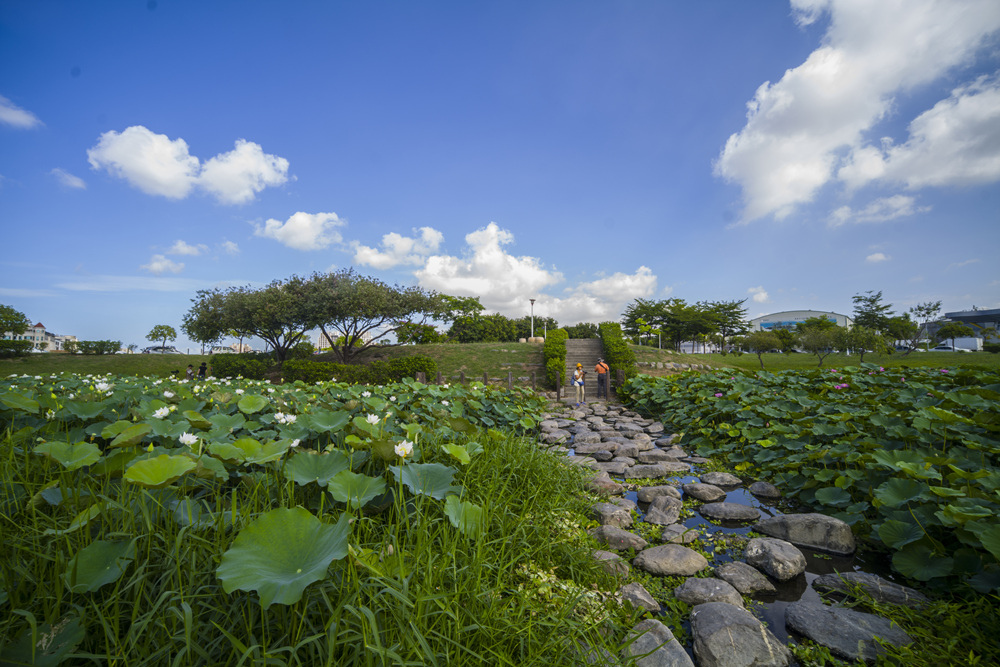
(235, 522)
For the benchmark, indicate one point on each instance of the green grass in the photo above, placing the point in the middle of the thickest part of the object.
(139, 365)
(474, 359)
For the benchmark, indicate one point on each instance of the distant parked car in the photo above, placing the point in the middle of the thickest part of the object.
(160, 349)
(221, 349)
(944, 347)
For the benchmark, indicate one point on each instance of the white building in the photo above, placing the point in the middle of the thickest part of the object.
(788, 319)
(40, 338)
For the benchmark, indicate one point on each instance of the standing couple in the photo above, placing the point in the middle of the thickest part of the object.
(602, 381)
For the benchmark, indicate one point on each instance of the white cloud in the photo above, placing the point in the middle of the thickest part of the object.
(759, 294)
(967, 262)
(880, 210)
(181, 248)
(68, 180)
(237, 176)
(160, 264)
(230, 248)
(956, 142)
(506, 282)
(798, 128)
(303, 231)
(158, 165)
(398, 249)
(15, 116)
(877, 257)
(104, 283)
(25, 293)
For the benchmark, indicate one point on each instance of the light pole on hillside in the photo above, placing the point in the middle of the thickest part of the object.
(532, 317)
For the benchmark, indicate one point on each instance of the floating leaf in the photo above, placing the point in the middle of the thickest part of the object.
(897, 534)
(160, 471)
(281, 553)
(132, 435)
(429, 479)
(466, 516)
(355, 489)
(70, 456)
(305, 468)
(98, 564)
(251, 403)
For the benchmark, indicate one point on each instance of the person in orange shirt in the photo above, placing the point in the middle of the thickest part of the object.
(602, 378)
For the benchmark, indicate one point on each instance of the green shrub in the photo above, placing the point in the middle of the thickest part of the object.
(554, 352)
(15, 348)
(248, 365)
(99, 346)
(301, 350)
(617, 353)
(378, 372)
(991, 347)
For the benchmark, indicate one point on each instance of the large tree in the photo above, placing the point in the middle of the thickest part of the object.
(860, 340)
(922, 314)
(760, 342)
(363, 311)
(819, 336)
(163, 333)
(730, 318)
(13, 321)
(870, 312)
(952, 330)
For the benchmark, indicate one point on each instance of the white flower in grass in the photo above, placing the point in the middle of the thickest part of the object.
(403, 449)
(270, 390)
(71, 396)
(366, 394)
(197, 388)
(161, 413)
(102, 386)
(290, 419)
(168, 394)
(239, 391)
(392, 399)
(188, 439)
(372, 419)
(444, 403)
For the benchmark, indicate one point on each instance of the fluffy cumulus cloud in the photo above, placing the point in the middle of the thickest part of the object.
(15, 116)
(800, 128)
(160, 264)
(759, 294)
(68, 180)
(880, 210)
(397, 249)
(504, 282)
(158, 165)
(230, 248)
(303, 231)
(877, 257)
(181, 248)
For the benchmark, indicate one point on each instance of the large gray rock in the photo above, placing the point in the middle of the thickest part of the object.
(670, 560)
(602, 455)
(816, 531)
(727, 636)
(603, 484)
(624, 449)
(611, 467)
(677, 533)
(591, 447)
(654, 456)
(654, 641)
(612, 563)
(764, 490)
(744, 578)
(707, 493)
(878, 588)
(729, 512)
(584, 462)
(586, 438)
(646, 494)
(699, 590)
(554, 437)
(663, 511)
(624, 503)
(609, 514)
(618, 539)
(847, 633)
(636, 595)
(651, 470)
(721, 479)
(776, 557)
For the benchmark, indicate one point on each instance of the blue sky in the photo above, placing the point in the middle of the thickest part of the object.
(581, 153)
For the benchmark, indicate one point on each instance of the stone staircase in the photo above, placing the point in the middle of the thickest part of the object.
(584, 351)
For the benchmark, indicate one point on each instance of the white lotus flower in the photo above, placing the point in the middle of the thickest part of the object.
(188, 438)
(239, 391)
(392, 399)
(444, 403)
(161, 413)
(403, 449)
(295, 442)
(168, 394)
(372, 419)
(366, 394)
(102, 386)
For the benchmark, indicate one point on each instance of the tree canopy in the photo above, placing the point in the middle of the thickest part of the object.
(13, 321)
(870, 312)
(161, 332)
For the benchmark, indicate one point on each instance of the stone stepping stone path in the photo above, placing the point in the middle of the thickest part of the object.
(618, 444)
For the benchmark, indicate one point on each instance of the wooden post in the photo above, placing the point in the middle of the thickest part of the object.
(510, 381)
(461, 377)
(532, 380)
(438, 379)
(558, 385)
(486, 378)
(420, 377)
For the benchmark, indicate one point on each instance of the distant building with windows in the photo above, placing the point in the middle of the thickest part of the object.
(789, 319)
(40, 338)
(978, 320)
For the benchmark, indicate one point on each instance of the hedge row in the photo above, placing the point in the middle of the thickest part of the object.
(378, 372)
(15, 348)
(554, 352)
(249, 365)
(617, 353)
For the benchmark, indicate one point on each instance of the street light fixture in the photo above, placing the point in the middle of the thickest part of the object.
(532, 317)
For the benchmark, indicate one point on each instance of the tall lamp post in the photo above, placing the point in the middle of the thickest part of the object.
(532, 317)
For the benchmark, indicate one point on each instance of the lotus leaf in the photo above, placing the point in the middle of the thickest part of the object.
(429, 479)
(160, 471)
(896, 534)
(210, 468)
(355, 489)
(196, 420)
(227, 423)
(85, 409)
(281, 553)
(20, 402)
(988, 534)
(100, 563)
(304, 467)
(132, 435)
(833, 496)
(79, 521)
(114, 463)
(198, 515)
(70, 456)
(325, 422)
(466, 516)
(53, 645)
(113, 430)
(897, 491)
(251, 403)
(458, 452)
(919, 562)
(11, 494)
